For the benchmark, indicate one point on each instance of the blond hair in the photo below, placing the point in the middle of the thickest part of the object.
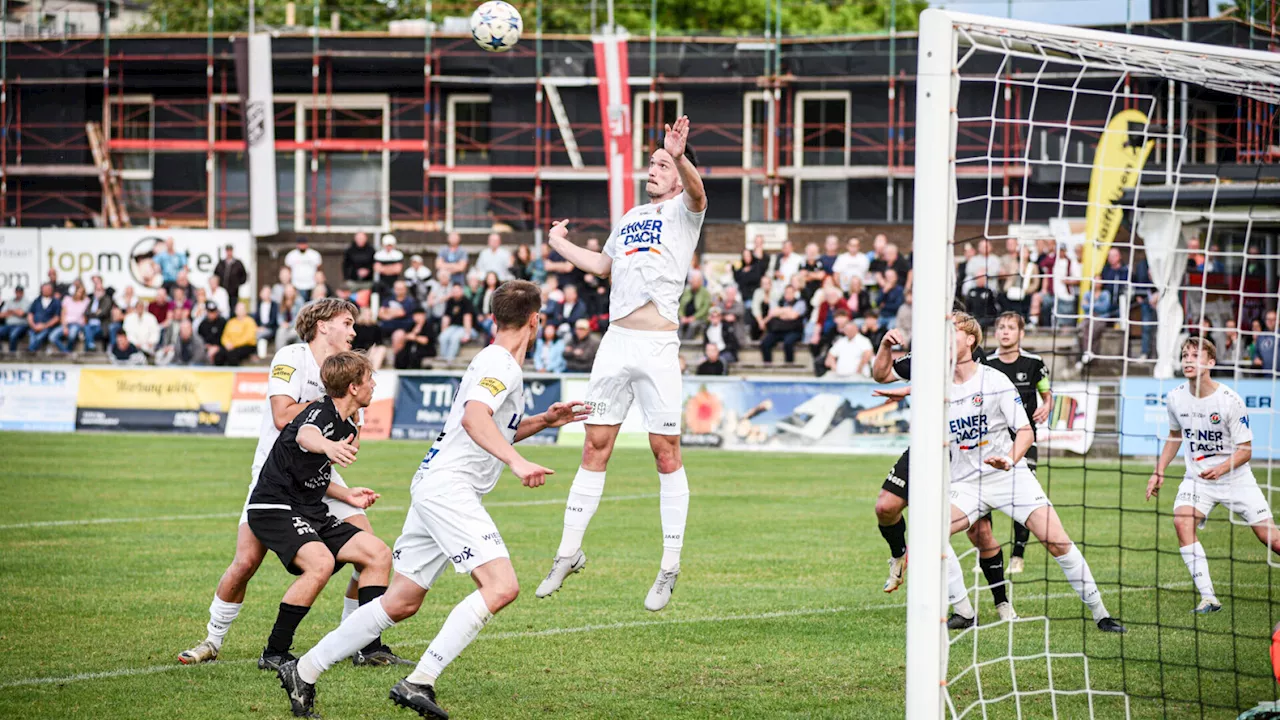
(1203, 344)
(312, 314)
(343, 370)
(969, 325)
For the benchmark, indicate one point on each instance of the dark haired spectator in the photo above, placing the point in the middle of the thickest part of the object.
(484, 308)
(722, 335)
(357, 262)
(1043, 300)
(570, 311)
(98, 316)
(369, 338)
(891, 296)
(1115, 278)
(170, 261)
(1145, 297)
(230, 272)
(566, 273)
(747, 273)
(1265, 356)
(396, 312)
(580, 350)
(415, 344)
(453, 259)
(713, 362)
(980, 302)
(14, 313)
(695, 304)
(43, 315)
(548, 352)
(267, 316)
(160, 307)
(811, 269)
(303, 261)
(287, 315)
(124, 352)
(522, 263)
(873, 328)
(598, 307)
(185, 347)
(785, 324)
(210, 329)
(456, 327)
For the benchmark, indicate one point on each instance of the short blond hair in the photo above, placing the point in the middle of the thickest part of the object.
(314, 313)
(1203, 344)
(343, 370)
(969, 325)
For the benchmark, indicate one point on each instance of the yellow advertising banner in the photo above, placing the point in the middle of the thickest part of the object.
(1117, 166)
(169, 389)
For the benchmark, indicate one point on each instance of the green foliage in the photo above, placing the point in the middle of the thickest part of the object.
(674, 17)
(1259, 9)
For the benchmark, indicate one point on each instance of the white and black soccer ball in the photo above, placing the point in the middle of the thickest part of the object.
(496, 26)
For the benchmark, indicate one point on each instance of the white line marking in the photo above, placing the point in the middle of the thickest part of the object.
(803, 612)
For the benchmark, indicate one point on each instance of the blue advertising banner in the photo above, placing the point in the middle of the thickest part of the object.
(1144, 422)
(423, 402)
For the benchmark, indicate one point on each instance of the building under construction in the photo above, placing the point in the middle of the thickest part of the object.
(431, 134)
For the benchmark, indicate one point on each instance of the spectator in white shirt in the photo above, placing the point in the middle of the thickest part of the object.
(217, 295)
(141, 328)
(416, 277)
(1066, 285)
(850, 355)
(985, 262)
(852, 263)
(388, 265)
(303, 261)
(787, 263)
(494, 259)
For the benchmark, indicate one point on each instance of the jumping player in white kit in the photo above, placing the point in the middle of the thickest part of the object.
(1214, 422)
(648, 256)
(447, 524)
(326, 327)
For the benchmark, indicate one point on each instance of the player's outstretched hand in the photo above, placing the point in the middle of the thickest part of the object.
(362, 497)
(891, 338)
(531, 474)
(1041, 415)
(999, 462)
(563, 413)
(559, 230)
(1153, 485)
(676, 137)
(342, 453)
(893, 394)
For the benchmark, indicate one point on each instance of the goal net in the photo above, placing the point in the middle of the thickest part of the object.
(1139, 166)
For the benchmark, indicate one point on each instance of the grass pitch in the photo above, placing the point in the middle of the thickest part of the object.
(112, 544)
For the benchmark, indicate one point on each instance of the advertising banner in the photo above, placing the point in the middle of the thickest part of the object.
(1071, 420)
(248, 404)
(1144, 421)
(423, 402)
(19, 262)
(155, 400)
(127, 256)
(380, 413)
(38, 399)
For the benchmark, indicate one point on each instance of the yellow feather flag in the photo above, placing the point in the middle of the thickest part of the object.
(1117, 166)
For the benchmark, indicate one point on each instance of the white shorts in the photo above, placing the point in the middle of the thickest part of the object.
(1242, 497)
(1016, 494)
(337, 508)
(637, 364)
(446, 523)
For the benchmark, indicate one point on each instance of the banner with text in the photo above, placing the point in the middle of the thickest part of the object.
(157, 400)
(38, 399)
(19, 262)
(423, 402)
(127, 256)
(1144, 420)
(249, 403)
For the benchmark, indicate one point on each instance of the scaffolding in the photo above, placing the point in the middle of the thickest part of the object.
(816, 120)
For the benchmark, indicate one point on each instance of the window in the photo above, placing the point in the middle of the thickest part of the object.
(757, 152)
(823, 201)
(132, 117)
(822, 137)
(469, 130)
(467, 203)
(652, 112)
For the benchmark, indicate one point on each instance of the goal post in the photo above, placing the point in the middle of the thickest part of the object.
(1064, 70)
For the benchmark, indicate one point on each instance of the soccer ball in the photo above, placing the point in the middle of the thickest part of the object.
(496, 26)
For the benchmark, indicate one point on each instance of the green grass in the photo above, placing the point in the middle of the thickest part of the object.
(778, 612)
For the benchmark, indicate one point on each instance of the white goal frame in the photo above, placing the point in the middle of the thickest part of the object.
(1222, 68)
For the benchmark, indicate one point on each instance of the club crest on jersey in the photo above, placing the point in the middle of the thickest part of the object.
(1215, 418)
(977, 400)
(493, 385)
(282, 372)
(1022, 377)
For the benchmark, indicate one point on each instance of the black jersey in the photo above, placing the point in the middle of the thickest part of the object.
(1028, 374)
(292, 476)
(902, 366)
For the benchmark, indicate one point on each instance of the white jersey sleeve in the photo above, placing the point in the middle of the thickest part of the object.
(288, 369)
(1012, 407)
(1175, 426)
(1237, 419)
(497, 379)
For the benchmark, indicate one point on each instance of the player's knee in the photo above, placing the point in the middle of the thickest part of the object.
(242, 568)
(398, 607)
(888, 508)
(667, 459)
(379, 559)
(505, 592)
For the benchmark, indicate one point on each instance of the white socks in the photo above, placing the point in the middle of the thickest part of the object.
(462, 626)
(350, 605)
(674, 506)
(957, 594)
(584, 498)
(221, 615)
(1198, 565)
(1076, 568)
(365, 624)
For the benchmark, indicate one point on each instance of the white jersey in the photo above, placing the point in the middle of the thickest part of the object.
(1212, 429)
(495, 379)
(294, 372)
(652, 247)
(984, 413)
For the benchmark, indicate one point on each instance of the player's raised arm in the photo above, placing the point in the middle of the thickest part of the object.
(477, 420)
(677, 136)
(559, 414)
(585, 260)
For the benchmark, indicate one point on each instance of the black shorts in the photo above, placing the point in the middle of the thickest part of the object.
(284, 532)
(896, 482)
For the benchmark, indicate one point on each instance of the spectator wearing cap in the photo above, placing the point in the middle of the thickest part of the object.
(210, 330)
(124, 352)
(303, 261)
(43, 315)
(170, 261)
(695, 305)
(721, 335)
(357, 262)
(494, 259)
(713, 362)
(142, 328)
(453, 259)
(388, 265)
(416, 276)
(457, 323)
(14, 314)
(580, 350)
(231, 273)
(415, 343)
(548, 352)
(267, 317)
(185, 347)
